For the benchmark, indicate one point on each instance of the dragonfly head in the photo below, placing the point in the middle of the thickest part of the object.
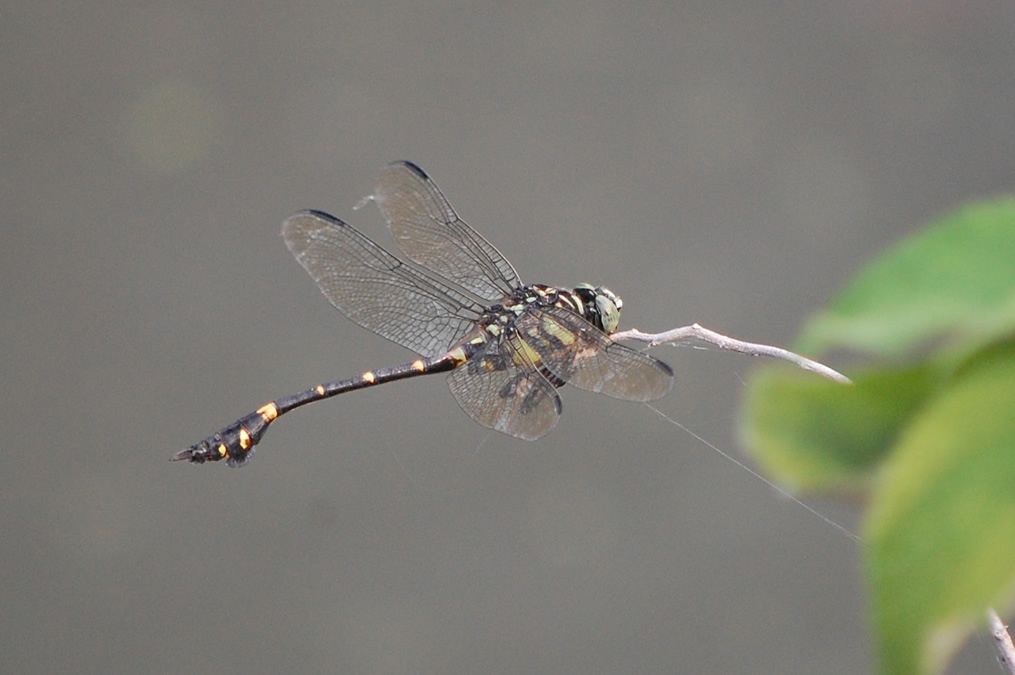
(602, 306)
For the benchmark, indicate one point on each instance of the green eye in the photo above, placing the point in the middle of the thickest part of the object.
(609, 306)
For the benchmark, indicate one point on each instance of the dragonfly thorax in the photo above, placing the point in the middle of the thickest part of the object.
(596, 304)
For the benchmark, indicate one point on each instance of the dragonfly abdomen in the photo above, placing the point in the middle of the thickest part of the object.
(235, 443)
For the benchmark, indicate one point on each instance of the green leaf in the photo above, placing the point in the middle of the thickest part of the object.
(813, 433)
(955, 279)
(941, 526)
(934, 441)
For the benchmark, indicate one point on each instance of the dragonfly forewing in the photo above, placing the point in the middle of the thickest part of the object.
(374, 288)
(429, 232)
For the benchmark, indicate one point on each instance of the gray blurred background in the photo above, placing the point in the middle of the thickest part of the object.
(731, 163)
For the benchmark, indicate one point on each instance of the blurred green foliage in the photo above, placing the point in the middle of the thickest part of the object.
(926, 432)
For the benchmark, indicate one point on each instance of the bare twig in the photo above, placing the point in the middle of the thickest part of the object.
(698, 332)
(1002, 638)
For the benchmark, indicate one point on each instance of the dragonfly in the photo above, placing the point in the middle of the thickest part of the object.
(460, 305)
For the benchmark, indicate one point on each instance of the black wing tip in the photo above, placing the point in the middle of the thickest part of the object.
(411, 166)
(666, 368)
(667, 372)
(323, 215)
(295, 222)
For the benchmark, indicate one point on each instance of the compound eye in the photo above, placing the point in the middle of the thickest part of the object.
(609, 306)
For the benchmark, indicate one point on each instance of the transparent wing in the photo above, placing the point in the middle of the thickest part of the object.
(580, 354)
(374, 288)
(429, 232)
(500, 395)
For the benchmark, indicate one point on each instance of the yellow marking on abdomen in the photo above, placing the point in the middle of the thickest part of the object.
(268, 411)
(418, 365)
(319, 389)
(368, 376)
(244, 439)
(458, 355)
